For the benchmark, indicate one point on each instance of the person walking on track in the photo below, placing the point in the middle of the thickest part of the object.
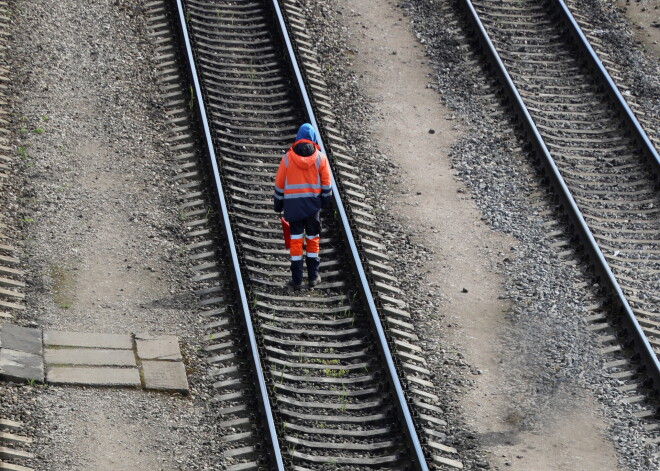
(303, 185)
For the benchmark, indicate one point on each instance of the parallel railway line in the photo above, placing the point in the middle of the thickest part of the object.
(14, 447)
(602, 164)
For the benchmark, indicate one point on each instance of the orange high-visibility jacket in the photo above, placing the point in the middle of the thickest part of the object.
(302, 184)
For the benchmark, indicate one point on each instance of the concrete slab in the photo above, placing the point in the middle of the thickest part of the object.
(162, 347)
(21, 366)
(89, 356)
(165, 375)
(21, 339)
(89, 340)
(93, 376)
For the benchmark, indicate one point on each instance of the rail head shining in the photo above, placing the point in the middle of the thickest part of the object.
(631, 120)
(641, 343)
(262, 389)
(393, 377)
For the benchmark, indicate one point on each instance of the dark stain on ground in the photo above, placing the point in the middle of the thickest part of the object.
(498, 438)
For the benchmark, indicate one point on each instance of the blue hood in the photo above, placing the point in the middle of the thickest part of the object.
(306, 131)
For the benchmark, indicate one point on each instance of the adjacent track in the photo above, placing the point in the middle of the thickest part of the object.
(328, 388)
(601, 163)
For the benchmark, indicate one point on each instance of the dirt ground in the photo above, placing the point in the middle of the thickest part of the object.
(644, 16)
(393, 73)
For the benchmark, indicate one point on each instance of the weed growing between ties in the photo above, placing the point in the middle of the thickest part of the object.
(22, 152)
(331, 372)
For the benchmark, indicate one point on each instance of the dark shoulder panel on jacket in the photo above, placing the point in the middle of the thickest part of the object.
(304, 149)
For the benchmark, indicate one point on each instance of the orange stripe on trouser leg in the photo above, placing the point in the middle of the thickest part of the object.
(296, 248)
(313, 245)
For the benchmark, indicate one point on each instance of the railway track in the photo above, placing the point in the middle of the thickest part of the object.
(14, 447)
(327, 390)
(599, 159)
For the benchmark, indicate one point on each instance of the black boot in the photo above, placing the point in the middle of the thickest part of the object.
(313, 277)
(296, 274)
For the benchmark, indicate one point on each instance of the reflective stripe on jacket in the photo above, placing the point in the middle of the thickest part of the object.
(302, 183)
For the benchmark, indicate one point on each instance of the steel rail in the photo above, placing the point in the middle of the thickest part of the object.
(595, 63)
(393, 377)
(641, 344)
(253, 349)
